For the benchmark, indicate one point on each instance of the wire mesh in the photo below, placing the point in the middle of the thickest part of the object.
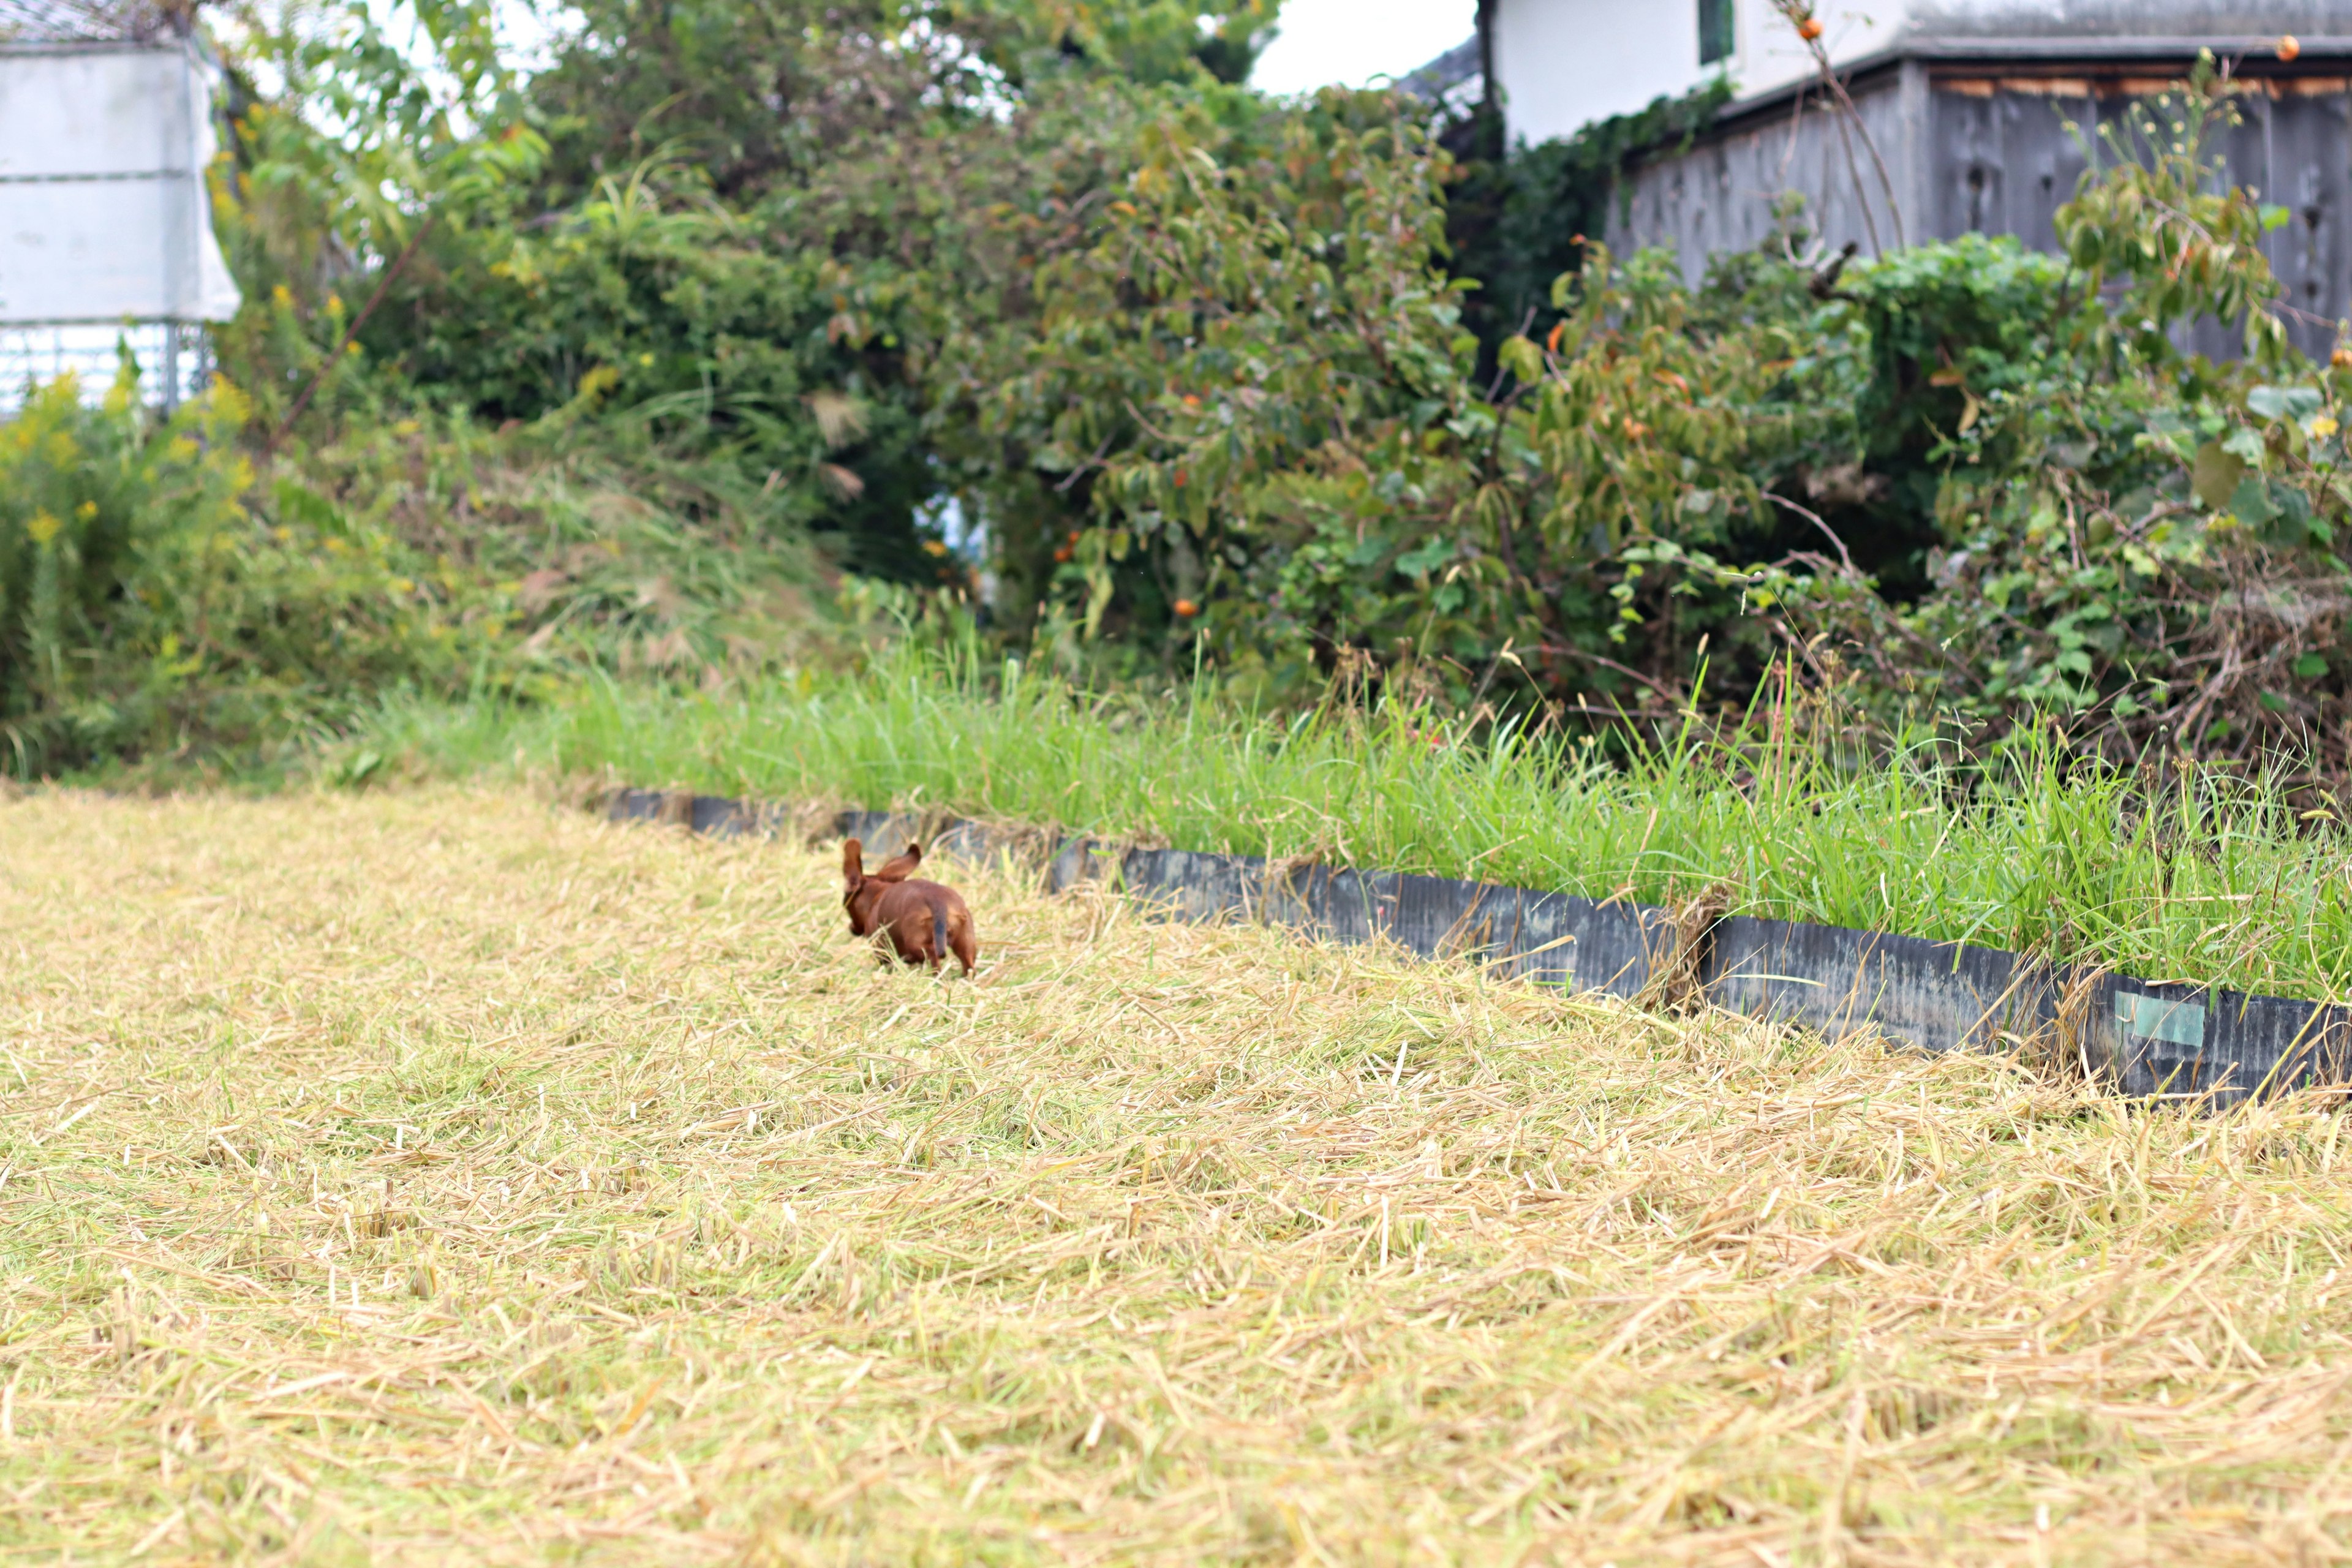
(174, 361)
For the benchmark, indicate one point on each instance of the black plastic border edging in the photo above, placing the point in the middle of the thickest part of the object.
(2186, 1042)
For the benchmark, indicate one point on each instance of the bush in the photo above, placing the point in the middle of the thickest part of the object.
(170, 596)
(154, 601)
(2142, 543)
(1198, 370)
(1963, 483)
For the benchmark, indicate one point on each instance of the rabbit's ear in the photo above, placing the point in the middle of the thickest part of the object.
(853, 862)
(902, 867)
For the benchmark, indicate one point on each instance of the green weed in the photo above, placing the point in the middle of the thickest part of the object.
(2206, 875)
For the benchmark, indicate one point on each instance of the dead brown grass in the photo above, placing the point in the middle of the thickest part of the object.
(448, 1177)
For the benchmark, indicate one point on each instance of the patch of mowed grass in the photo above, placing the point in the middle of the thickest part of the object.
(2217, 879)
(444, 1176)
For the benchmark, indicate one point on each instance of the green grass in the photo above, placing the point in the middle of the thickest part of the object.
(2217, 881)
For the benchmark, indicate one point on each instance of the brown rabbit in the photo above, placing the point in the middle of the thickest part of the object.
(924, 920)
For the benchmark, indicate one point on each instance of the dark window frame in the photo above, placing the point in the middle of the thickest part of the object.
(1718, 32)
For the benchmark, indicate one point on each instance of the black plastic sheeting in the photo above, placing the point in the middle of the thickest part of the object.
(2149, 1039)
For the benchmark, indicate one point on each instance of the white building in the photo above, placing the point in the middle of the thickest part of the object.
(1981, 113)
(106, 135)
(1562, 64)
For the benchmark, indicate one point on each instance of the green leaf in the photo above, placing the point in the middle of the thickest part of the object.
(2216, 476)
(1428, 558)
(1521, 357)
(2310, 666)
(2252, 501)
(2284, 402)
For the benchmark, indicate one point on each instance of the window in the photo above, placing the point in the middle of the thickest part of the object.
(1714, 31)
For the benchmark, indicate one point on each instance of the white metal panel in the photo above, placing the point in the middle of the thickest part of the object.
(104, 211)
(81, 112)
(88, 251)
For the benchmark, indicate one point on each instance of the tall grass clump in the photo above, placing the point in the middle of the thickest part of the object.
(2196, 874)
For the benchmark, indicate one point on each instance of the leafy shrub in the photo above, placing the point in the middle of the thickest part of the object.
(1963, 482)
(2138, 540)
(152, 601)
(169, 596)
(1516, 218)
(529, 393)
(1290, 435)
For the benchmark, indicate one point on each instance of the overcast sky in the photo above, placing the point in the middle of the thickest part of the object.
(1351, 41)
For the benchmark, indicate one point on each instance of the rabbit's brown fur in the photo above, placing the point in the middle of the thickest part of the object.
(924, 920)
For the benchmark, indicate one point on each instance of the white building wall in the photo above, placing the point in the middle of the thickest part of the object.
(106, 233)
(104, 211)
(1564, 63)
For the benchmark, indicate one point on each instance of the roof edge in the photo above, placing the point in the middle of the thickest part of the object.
(2158, 56)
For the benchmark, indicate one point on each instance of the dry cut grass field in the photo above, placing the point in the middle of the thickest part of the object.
(449, 1177)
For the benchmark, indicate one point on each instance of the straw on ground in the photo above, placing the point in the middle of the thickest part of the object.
(448, 1176)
